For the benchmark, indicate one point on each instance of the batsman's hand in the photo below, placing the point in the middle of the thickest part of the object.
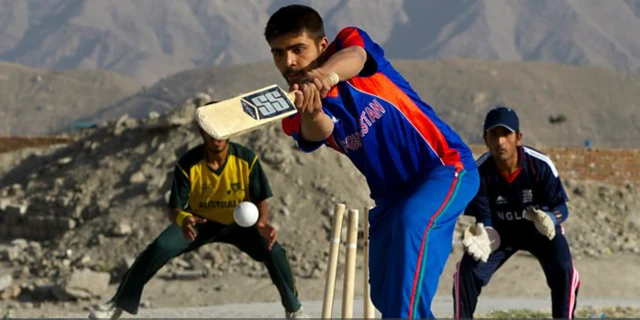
(307, 99)
(188, 227)
(322, 80)
(268, 232)
(542, 221)
(476, 242)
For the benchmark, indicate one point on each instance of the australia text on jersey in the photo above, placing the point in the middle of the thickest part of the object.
(230, 204)
(368, 117)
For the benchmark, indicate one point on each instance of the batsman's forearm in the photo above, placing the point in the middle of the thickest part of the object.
(347, 63)
(316, 127)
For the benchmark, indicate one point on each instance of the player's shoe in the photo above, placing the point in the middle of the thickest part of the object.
(106, 311)
(296, 314)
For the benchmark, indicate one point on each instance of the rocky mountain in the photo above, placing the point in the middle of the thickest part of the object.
(40, 102)
(150, 39)
(74, 214)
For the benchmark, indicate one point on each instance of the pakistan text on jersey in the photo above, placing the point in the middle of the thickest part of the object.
(368, 117)
(218, 204)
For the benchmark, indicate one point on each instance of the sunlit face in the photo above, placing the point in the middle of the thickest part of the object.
(213, 145)
(293, 54)
(502, 143)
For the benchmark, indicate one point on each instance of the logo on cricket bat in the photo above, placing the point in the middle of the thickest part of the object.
(266, 104)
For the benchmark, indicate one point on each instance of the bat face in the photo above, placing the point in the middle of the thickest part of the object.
(267, 103)
(245, 113)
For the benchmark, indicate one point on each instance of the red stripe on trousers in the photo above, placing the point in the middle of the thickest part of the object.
(422, 245)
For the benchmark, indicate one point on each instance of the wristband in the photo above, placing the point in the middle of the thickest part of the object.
(334, 78)
(180, 217)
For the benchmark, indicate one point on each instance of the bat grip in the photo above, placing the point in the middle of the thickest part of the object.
(291, 96)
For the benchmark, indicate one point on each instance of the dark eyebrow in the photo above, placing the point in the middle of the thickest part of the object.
(291, 47)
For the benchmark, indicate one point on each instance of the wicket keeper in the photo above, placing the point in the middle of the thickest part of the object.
(520, 206)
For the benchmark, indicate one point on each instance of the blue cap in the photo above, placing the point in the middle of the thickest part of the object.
(502, 116)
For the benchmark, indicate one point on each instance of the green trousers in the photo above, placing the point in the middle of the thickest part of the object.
(172, 243)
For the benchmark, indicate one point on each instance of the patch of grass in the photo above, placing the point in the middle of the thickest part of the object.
(585, 312)
(517, 314)
(609, 312)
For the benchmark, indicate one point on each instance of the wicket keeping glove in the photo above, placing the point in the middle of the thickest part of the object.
(543, 222)
(476, 242)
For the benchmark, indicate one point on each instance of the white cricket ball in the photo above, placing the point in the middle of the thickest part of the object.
(245, 214)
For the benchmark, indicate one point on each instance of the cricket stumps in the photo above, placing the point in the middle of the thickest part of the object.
(351, 251)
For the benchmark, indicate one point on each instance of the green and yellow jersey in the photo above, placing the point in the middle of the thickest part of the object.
(213, 194)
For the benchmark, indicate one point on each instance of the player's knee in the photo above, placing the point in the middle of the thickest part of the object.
(161, 246)
(561, 272)
(470, 273)
(467, 266)
(277, 251)
(464, 272)
(566, 268)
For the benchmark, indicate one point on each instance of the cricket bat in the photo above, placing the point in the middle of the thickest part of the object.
(246, 112)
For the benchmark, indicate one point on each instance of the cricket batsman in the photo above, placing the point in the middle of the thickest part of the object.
(520, 205)
(420, 173)
(209, 181)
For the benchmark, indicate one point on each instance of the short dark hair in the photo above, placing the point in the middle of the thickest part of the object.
(295, 19)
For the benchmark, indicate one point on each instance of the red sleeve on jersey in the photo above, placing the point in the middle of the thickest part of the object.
(348, 37)
(353, 36)
(291, 125)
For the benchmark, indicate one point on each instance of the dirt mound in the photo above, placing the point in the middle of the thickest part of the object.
(95, 203)
(16, 143)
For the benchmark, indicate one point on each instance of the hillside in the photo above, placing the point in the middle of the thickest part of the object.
(8, 144)
(149, 39)
(39, 102)
(599, 105)
(85, 209)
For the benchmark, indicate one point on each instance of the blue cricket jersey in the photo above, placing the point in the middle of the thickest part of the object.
(502, 200)
(381, 124)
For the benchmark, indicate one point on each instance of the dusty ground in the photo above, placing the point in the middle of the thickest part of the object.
(609, 279)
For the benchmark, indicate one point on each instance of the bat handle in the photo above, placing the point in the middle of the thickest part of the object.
(291, 96)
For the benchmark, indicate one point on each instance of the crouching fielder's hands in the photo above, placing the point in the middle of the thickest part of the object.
(479, 241)
(542, 221)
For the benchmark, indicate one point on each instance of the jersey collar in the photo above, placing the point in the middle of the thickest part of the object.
(512, 177)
